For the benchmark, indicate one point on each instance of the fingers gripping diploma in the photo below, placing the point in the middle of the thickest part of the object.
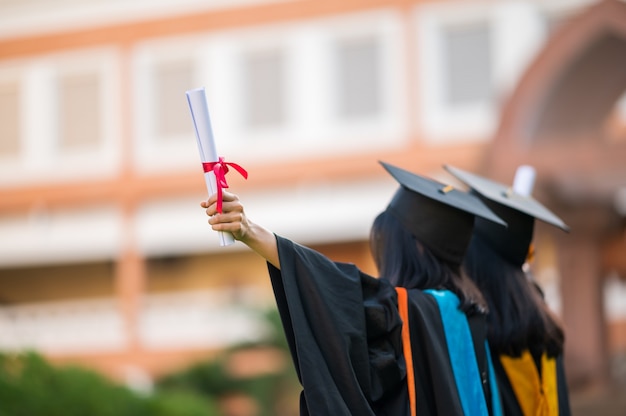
(234, 220)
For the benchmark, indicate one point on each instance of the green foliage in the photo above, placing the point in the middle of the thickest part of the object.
(181, 404)
(267, 390)
(205, 378)
(29, 386)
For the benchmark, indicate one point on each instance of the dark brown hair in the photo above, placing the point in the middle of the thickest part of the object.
(518, 317)
(405, 262)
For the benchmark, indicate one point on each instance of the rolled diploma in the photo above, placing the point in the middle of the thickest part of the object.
(206, 145)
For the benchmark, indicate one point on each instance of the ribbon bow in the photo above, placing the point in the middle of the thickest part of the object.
(220, 169)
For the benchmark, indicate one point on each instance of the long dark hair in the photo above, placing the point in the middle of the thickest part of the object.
(405, 262)
(518, 316)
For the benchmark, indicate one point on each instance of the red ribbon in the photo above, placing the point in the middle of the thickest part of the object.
(220, 169)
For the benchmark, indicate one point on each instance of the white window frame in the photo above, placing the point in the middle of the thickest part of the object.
(10, 73)
(152, 153)
(518, 31)
(441, 122)
(40, 159)
(236, 139)
(390, 127)
(312, 128)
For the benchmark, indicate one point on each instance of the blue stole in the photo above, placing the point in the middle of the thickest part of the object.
(463, 358)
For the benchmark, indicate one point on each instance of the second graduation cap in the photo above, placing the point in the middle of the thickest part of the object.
(439, 216)
(519, 211)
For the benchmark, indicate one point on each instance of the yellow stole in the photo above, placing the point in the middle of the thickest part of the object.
(536, 395)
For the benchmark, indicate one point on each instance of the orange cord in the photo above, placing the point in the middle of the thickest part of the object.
(403, 308)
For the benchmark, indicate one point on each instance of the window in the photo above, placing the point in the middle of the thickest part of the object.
(172, 79)
(9, 119)
(457, 75)
(79, 111)
(71, 100)
(163, 70)
(358, 77)
(264, 88)
(467, 55)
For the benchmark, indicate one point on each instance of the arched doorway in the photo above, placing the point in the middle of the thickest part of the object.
(559, 119)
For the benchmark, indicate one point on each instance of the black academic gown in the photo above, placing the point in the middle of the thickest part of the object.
(509, 400)
(344, 333)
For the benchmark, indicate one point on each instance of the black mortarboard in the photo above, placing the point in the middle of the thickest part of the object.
(439, 216)
(519, 211)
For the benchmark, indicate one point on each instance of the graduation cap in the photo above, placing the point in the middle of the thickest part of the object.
(517, 209)
(439, 216)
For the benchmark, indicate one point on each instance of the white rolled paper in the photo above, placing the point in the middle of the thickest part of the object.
(206, 144)
(524, 181)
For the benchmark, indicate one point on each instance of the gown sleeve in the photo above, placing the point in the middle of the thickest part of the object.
(343, 331)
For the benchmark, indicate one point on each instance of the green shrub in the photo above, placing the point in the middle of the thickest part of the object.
(30, 386)
(182, 404)
(279, 388)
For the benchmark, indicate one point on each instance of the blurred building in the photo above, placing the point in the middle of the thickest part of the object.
(106, 258)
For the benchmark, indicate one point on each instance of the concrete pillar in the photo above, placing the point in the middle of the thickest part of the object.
(581, 280)
(130, 278)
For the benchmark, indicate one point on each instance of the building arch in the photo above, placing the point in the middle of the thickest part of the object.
(556, 120)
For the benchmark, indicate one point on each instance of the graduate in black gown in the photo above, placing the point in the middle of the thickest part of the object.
(525, 337)
(410, 342)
